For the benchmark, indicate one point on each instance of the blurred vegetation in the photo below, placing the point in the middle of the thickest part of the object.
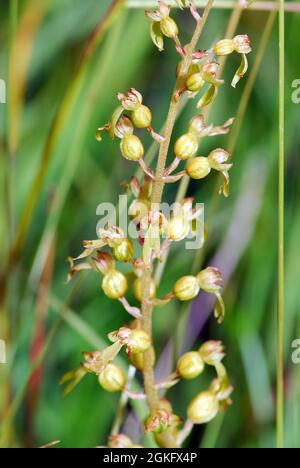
(46, 323)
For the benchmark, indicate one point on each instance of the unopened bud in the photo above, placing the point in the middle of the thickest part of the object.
(112, 379)
(212, 352)
(141, 117)
(114, 284)
(210, 280)
(186, 146)
(186, 288)
(190, 365)
(123, 252)
(224, 47)
(137, 289)
(203, 408)
(198, 168)
(132, 148)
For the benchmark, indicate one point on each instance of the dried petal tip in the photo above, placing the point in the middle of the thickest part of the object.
(103, 262)
(136, 340)
(212, 352)
(132, 100)
(161, 421)
(242, 44)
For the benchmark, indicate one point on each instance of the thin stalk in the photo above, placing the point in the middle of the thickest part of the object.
(221, 4)
(280, 296)
(184, 183)
(158, 186)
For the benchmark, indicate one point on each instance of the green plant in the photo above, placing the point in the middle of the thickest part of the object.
(197, 70)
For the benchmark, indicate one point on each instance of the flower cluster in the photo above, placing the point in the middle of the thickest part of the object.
(156, 232)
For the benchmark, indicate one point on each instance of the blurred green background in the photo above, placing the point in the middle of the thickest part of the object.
(63, 62)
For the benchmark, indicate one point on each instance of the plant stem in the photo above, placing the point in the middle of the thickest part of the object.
(158, 186)
(280, 298)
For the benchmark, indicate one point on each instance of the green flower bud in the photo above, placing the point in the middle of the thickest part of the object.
(112, 379)
(168, 27)
(123, 252)
(186, 288)
(132, 148)
(194, 82)
(224, 47)
(190, 365)
(186, 146)
(137, 289)
(203, 408)
(212, 352)
(141, 117)
(114, 284)
(198, 168)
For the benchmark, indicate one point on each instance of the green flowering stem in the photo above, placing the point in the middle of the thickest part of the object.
(158, 186)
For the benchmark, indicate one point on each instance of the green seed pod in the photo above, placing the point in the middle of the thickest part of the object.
(137, 289)
(195, 82)
(224, 47)
(114, 284)
(168, 27)
(190, 365)
(186, 288)
(186, 146)
(203, 408)
(198, 168)
(132, 148)
(141, 117)
(112, 379)
(139, 341)
(123, 252)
